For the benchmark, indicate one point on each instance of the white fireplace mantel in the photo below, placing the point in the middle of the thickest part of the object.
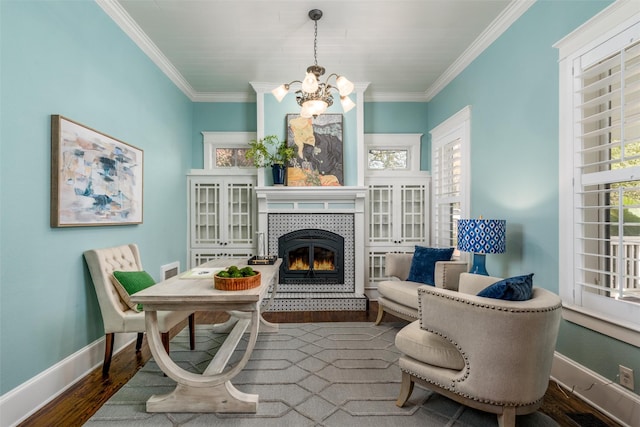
(277, 194)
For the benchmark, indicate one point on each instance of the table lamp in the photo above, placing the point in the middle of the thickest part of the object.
(481, 237)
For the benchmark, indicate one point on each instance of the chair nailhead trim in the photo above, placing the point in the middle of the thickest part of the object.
(485, 305)
(467, 396)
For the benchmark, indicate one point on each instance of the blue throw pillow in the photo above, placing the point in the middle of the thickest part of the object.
(518, 288)
(423, 264)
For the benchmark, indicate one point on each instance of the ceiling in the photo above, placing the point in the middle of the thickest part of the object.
(404, 49)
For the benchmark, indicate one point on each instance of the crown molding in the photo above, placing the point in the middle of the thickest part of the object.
(508, 16)
(223, 97)
(600, 27)
(129, 26)
(396, 97)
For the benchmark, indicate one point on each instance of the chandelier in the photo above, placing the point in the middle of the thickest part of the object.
(314, 96)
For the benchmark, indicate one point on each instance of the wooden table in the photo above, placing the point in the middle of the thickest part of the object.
(212, 390)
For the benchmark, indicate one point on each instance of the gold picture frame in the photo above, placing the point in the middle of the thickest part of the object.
(96, 179)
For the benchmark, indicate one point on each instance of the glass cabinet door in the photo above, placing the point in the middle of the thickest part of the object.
(206, 203)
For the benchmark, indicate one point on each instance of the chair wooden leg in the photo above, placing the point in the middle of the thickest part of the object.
(406, 388)
(139, 341)
(380, 314)
(165, 341)
(108, 351)
(192, 331)
(508, 417)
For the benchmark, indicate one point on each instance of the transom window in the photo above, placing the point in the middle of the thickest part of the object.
(229, 157)
(392, 154)
(225, 152)
(388, 159)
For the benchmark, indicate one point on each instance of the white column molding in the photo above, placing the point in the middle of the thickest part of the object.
(360, 88)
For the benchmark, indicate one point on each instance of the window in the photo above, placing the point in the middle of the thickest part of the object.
(395, 159)
(229, 157)
(225, 151)
(392, 154)
(450, 177)
(600, 173)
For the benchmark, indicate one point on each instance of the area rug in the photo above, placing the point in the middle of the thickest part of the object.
(312, 374)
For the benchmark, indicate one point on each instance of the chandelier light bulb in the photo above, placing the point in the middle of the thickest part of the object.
(315, 107)
(345, 87)
(310, 83)
(305, 112)
(280, 92)
(347, 103)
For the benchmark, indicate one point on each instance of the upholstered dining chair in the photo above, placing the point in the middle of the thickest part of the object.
(490, 354)
(117, 316)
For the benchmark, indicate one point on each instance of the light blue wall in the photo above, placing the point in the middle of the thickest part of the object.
(400, 117)
(219, 117)
(70, 58)
(512, 89)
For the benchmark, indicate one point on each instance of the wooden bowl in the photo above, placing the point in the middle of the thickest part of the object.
(237, 283)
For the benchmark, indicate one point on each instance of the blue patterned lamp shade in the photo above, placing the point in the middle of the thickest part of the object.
(482, 236)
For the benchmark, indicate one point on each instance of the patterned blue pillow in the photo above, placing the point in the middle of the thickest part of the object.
(518, 288)
(423, 264)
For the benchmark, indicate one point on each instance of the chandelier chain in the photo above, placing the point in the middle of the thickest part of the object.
(315, 43)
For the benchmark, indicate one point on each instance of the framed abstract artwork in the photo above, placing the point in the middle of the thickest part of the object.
(95, 178)
(319, 147)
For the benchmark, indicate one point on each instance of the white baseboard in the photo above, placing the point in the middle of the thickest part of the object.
(24, 400)
(618, 403)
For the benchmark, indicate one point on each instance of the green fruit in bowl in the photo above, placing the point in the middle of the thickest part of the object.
(247, 271)
(235, 272)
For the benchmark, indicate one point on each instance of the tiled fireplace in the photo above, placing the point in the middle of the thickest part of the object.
(315, 230)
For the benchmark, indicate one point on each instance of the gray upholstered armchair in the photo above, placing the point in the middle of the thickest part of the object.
(399, 296)
(489, 354)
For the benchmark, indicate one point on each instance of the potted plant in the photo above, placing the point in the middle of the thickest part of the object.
(270, 151)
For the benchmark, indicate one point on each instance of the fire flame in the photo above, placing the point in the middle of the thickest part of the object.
(321, 265)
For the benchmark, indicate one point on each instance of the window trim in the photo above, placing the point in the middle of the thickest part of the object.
(393, 141)
(598, 31)
(213, 140)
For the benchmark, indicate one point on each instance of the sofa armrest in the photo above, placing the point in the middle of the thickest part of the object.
(496, 338)
(398, 265)
(447, 274)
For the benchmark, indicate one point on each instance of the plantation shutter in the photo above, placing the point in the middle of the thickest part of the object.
(447, 194)
(607, 172)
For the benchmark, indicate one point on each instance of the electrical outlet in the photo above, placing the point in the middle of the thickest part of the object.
(626, 377)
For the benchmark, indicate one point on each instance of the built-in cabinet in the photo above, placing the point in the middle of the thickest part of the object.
(397, 205)
(222, 217)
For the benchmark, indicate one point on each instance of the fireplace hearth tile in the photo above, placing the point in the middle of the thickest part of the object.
(320, 301)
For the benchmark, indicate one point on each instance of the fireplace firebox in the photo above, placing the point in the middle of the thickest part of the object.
(311, 256)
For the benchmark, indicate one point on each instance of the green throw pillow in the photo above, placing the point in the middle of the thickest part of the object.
(129, 282)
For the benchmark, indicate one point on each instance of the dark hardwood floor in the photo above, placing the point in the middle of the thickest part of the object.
(77, 404)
